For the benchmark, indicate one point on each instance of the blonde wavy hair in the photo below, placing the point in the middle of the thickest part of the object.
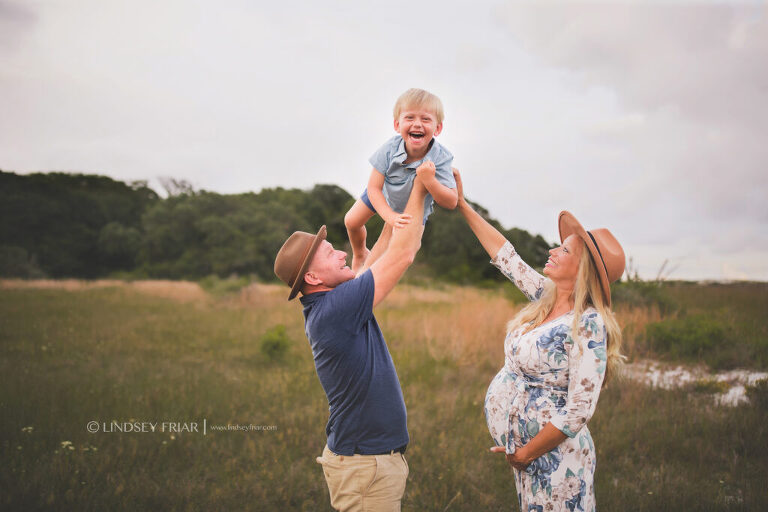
(586, 292)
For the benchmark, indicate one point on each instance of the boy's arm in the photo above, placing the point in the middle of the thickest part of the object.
(376, 196)
(444, 196)
(403, 246)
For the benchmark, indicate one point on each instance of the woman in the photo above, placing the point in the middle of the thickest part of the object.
(559, 351)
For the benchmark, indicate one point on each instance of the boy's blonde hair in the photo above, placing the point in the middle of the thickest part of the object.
(420, 98)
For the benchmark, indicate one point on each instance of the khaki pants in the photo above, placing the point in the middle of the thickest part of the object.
(365, 482)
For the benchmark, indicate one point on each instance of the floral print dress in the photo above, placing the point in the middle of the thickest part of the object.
(547, 378)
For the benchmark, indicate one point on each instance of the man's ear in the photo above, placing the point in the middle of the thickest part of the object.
(311, 279)
(397, 124)
(438, 129)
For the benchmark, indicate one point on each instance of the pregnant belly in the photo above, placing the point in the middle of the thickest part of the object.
(497, 402)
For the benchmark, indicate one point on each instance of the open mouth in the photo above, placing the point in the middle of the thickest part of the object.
(416, 135)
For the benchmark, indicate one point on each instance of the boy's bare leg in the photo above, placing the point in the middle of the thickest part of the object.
(354, 221)
(379, 248)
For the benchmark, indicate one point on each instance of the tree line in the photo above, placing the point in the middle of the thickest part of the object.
(87, 226)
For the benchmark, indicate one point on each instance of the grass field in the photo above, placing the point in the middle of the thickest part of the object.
(169, 352)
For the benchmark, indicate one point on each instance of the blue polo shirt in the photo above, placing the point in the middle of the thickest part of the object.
(367, 410)
(398, 176)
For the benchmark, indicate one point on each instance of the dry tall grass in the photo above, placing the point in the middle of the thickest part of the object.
(465, 325)
(468, 325)
(180, 291)
(633, 320)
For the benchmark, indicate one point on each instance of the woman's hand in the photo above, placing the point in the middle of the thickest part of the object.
(459, 187)
(517, 460)
(546, 440)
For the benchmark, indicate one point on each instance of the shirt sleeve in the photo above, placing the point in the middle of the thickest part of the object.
(351, 303)
(381, 159)
(586, 370)
(530, 282)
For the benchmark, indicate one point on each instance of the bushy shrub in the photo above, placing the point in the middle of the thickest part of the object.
(688, 337)
(275, 343)
(15, 262)
(758, 394)
(643, 293)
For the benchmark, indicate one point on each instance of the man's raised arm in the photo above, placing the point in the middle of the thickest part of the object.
(403, 247)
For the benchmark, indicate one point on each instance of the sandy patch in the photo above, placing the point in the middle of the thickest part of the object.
(668, 376)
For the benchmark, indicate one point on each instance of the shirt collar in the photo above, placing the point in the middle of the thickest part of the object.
(309, 299)
(400, 155)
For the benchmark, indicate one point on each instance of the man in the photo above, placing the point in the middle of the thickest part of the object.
(363, 460)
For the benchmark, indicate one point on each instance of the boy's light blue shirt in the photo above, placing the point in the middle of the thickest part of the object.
(398, 177)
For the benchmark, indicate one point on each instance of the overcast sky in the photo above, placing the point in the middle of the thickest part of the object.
(649, 118)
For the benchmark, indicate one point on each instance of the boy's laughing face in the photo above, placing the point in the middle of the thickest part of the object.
(417, 126)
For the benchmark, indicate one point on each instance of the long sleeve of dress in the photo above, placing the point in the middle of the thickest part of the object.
(586, 370)
(530, 282)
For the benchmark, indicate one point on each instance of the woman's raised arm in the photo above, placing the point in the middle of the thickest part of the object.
(490, 237)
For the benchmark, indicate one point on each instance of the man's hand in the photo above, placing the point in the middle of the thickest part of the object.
(399, 220)
(426, 171)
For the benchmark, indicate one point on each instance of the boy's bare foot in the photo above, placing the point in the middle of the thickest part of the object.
(358, 260)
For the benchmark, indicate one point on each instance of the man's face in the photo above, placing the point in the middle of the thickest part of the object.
(330, 266)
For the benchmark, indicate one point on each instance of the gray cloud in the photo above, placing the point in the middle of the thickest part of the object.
(15, 20)
(693, 82)
(707, 60)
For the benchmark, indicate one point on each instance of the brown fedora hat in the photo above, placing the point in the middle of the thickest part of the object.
(605, 250)
(294, 256)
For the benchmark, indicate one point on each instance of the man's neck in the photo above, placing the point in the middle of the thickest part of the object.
(310, 289)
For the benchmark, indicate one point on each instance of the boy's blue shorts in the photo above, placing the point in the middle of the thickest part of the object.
(364, 199)
(367, 202)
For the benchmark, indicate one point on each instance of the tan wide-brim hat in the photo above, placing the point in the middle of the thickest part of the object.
(605, 250)
(294, 256)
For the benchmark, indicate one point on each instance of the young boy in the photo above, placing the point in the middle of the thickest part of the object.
(418, 119)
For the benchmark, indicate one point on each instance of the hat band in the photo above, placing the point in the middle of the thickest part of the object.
(301, 260)
(598, 252)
